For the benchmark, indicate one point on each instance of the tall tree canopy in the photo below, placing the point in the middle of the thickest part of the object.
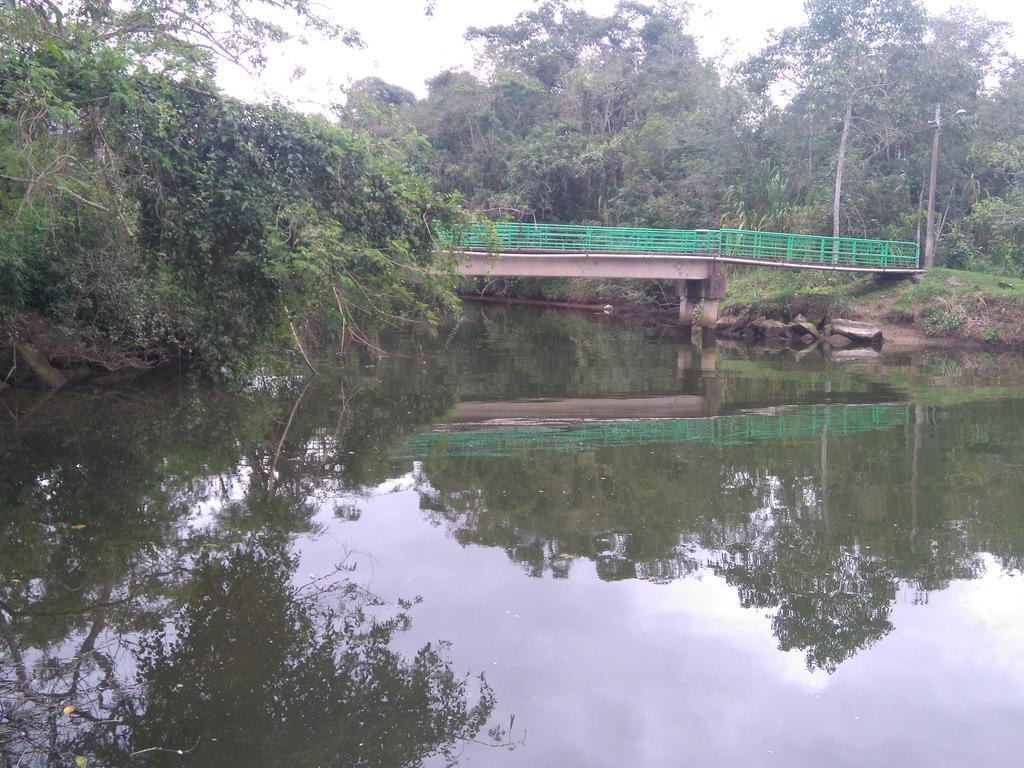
(618, 119)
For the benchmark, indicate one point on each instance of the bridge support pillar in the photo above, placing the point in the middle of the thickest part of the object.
(713, 292)
(709, 316)
(709, 290)
(689, 295)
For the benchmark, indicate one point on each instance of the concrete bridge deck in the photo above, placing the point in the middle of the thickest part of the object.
(696, 259)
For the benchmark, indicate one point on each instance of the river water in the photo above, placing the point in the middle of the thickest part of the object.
(537, 539)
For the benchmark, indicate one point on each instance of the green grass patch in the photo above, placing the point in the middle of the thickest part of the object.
(953, 286)
(953, 302)
(982, 283)
(763, 290)
(990, 334)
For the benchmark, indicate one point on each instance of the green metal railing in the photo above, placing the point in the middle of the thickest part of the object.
(736, 245)
(817, 250)
(798, 421)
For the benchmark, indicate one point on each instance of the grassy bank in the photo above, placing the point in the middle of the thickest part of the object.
(942, 304)
(755, 291)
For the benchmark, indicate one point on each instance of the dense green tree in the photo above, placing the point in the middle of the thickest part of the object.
(140, 206)
(584, 118)
(845, 61)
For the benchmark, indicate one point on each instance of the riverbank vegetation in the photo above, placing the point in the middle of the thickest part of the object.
(144, 214)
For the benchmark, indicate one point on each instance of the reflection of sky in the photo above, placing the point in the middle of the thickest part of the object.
(632, 673)
(992, 605)
(219, 490)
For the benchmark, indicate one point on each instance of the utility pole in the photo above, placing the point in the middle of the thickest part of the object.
(929, 236)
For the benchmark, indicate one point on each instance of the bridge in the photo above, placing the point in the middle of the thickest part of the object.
(695, 258)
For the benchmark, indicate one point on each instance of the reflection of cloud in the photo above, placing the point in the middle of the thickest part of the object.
(333, 498)
(216, 492)
(996, 601)
(713, 608)
(404, 482)
(771, 578)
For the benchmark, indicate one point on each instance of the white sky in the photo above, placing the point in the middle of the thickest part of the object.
(405, 47)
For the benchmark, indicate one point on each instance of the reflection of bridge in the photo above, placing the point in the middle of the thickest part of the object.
(693, 257)
(546, 410)
(576, 436)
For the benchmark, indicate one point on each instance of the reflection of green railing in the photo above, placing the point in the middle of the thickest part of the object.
(798, 421)
(727, 244)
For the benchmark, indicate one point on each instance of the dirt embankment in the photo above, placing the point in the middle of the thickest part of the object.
(899, 335)
(37, 354)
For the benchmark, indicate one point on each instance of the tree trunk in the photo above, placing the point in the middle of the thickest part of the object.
(841, 166)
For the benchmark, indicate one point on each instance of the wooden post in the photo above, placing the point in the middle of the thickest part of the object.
(929, 233)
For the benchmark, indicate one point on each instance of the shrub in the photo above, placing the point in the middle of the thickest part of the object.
(941, 320)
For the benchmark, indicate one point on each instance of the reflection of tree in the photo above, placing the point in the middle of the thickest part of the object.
(250, 670)
(827, 601)
(161, 473)
(101, 496)
(43, 697)
(820, 538)
(260, 673)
